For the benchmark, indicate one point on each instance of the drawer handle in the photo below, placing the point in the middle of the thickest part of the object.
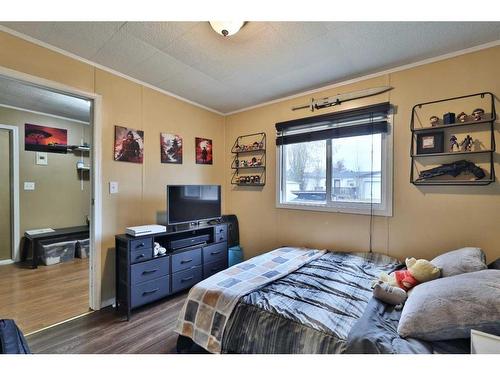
(221, 238)
(184, 261)
(145, 272)
(142, 244)
(145, 293)
(215, 252)
(186, 279)
(140, 256)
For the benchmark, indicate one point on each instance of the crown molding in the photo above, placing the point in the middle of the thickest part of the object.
(102, 67)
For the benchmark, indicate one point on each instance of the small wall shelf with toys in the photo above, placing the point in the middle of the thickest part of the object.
(450, 136)
(249, 161)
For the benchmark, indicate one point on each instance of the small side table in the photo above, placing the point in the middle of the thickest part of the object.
(484, 343)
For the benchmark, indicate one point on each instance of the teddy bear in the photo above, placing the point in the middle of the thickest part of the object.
(416, 272)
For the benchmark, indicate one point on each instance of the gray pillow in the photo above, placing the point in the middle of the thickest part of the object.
(450, 307)
(467, 259)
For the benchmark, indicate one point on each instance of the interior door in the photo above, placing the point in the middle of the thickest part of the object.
(5, 195)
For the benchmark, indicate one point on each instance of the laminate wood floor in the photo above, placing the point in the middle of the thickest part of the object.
(150, 330)
(38, 298)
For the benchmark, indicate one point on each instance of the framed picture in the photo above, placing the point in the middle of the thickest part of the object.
(129, 145)
(430, 142)
(203, 151)
(45, 139)
(171, 148)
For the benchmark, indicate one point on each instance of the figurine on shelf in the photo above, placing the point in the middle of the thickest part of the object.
(244, 163)
(434, 120)
(253, 162)
(462, 117)
(261, 145)
(449, 118)
(478, 114)
(252, 179)
(255, 145)
(257, 179)
(237, 148)
(467, 143)
(453, 143)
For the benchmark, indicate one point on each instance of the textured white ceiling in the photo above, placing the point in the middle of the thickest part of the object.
(20, 95)
(264, 61)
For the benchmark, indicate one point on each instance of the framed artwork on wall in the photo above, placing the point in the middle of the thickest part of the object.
(204, 151)
(129, 145)
(45, 139)
(171, 148)
(430, 142)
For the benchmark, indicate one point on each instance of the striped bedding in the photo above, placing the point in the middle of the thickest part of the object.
(311, 310)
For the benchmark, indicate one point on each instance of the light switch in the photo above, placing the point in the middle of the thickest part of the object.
(29, 185)
(113, 187)
(42, 158)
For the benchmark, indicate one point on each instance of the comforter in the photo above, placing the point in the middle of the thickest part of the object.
(311, 310)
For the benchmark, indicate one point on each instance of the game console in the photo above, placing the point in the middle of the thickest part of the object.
(143, 230)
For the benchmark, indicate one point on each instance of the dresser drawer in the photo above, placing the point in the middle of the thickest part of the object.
(185, 260)
(152, 269)
(149, 291)
(137, 256)
(186, 279)
(215, 252)
(221, 237)
(212, 268)
(141, 244)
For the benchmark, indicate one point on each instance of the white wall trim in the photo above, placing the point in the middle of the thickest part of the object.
(16, 226)
(43, 113)
(96, 212)
(303, 93)
(373, 75)
(102, 67)
(5, 262)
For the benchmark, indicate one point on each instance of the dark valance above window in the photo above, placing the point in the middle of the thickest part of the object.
(355, 122)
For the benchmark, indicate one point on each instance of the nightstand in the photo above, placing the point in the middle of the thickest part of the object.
(484, 343)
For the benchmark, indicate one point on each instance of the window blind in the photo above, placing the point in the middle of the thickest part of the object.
(355, 122)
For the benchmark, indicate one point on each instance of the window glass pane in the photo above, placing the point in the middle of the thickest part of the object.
(304, 179)
(352, 176)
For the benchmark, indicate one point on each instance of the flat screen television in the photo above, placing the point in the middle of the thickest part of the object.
(191, 203)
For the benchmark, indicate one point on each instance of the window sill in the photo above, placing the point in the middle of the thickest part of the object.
(354, 209)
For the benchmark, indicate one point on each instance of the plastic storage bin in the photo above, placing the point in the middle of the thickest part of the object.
(235, 255)
(82, 248)
(53, 253)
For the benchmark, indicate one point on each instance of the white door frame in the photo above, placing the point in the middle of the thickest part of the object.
(96, 178)
(15, 254)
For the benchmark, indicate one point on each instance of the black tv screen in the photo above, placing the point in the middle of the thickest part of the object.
(189, 203)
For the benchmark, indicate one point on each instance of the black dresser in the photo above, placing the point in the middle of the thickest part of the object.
(192, 255)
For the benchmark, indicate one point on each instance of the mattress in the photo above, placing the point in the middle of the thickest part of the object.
(311, 310)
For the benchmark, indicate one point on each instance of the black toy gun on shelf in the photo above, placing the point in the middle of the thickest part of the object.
(453, 169)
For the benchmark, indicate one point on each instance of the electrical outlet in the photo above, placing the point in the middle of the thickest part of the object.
(113, 187)
(29, 185)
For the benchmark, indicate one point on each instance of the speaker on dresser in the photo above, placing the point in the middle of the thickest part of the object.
(233, 233)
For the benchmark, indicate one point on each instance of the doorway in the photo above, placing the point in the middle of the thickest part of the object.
(72, 287)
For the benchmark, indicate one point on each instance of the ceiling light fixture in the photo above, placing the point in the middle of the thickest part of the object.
(226, 28)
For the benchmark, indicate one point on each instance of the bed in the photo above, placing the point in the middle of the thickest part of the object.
(324, 306)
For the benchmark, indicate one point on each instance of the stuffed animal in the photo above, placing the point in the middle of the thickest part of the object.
(417, 272)
(389, 294)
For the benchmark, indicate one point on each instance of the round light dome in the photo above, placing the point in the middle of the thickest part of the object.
(226, 28)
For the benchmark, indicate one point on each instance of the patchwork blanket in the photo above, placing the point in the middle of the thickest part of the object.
(210, 303)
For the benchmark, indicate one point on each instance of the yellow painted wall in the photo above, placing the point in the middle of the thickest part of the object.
(58, 200)
(426, 220)
(125, 103)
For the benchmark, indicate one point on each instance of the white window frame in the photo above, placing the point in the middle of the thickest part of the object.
(362, 208)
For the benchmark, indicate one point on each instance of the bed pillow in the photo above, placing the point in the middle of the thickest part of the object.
(448, 308)
(467, 259)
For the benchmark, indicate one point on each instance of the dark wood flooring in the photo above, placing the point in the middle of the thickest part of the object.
(150, 330)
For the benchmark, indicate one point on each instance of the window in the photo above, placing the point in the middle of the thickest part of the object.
(338, 162)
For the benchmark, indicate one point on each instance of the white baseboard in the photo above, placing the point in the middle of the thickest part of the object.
(6, 261)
